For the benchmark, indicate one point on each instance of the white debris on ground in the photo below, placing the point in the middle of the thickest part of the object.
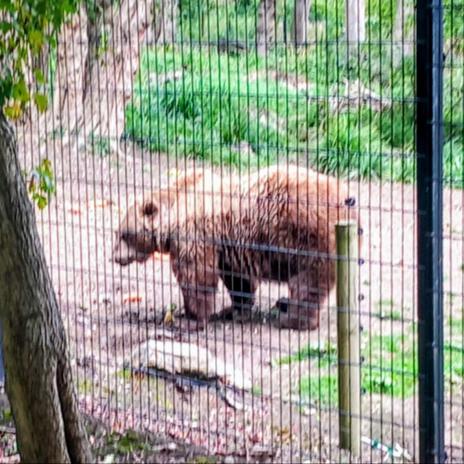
(177, 357)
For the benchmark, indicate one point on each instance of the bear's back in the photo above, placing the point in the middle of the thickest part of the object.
(293, 196)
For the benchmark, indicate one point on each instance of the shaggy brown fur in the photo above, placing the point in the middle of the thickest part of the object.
(277, 224)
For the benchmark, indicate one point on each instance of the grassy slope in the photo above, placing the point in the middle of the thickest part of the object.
(218, 104)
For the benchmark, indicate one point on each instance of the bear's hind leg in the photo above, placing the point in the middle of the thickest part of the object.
(301, 310)
(241, 291)
(241, 287)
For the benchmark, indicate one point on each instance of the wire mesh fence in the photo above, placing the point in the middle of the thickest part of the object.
(201, 154)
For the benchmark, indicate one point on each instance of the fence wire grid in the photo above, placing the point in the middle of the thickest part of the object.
(250, 128)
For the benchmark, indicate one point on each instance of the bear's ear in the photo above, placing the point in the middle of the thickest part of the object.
(149, 208)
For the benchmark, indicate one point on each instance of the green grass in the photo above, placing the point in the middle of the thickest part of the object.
(325, 354)
(386, 310)
(125, 374)
(392, 315)
(203, 460)
(456, 324)
(454, 361)
(6, 415)
(389, 368)
(128, 442)
(220, 101)
(320, 389)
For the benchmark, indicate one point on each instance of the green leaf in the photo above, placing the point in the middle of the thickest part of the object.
(20, 92)
(41, 201)
(46, 165)
(69, 6)
(38, 75)
(13, 111)
(36, 40)
(7, 5)
(5, 26)
(41, 101)
(41, 183)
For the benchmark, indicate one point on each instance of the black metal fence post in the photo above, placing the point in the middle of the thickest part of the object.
(429, 146)
(2, 369)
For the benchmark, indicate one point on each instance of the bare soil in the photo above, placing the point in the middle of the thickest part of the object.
(109, 310)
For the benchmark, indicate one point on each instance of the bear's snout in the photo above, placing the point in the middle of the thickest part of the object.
(122, 261)
(123, 254)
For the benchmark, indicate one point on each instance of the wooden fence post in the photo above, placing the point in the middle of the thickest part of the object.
(348, 328)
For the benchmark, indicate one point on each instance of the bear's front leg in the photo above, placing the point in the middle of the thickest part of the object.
(198, 280)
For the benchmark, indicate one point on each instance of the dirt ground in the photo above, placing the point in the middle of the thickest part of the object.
(109, 310)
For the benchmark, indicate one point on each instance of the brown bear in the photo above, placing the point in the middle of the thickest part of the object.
(275, 224)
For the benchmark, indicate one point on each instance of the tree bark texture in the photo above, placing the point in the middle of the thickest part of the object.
(164, 21)
(38, 371)
(300, 22)
(95, 77)
(266, 28)
(403, 31)
(94, 22)
(71, 55)
(355, 17)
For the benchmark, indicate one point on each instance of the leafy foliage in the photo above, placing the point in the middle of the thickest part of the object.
(42, 183)
(25, 27)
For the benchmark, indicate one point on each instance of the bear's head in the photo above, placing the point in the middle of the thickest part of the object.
(142, 231)
(146, 227)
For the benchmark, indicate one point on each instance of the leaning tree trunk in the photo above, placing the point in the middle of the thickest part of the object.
(266, 28)
(300, 22)
(38, 371)
(100, 87)
(70, 65)
(95, 26)
(403, 30)
(355, 17)
(164, 26)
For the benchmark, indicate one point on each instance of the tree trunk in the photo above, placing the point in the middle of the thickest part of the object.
(97, 90)
(94, 17)
(38, 371)
(403, 32)
(266, 28)
(164, 22)
(355, 18)
(300, 22)
(71, 53)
